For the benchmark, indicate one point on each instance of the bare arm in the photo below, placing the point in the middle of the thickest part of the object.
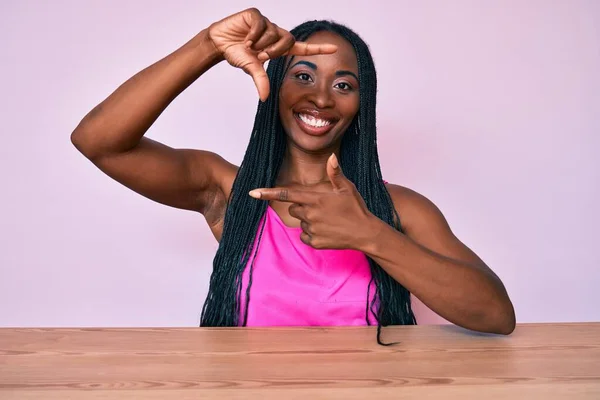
(438, 268)
(112, 134)
(427, 258)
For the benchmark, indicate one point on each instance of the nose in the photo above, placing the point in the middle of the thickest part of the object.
(321, 96)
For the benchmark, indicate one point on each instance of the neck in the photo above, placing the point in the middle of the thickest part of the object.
(302, 168)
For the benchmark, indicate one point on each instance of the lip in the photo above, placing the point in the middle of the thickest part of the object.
(313, 130)
(317, 114)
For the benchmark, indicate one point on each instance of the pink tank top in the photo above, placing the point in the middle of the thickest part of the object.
(296, 285)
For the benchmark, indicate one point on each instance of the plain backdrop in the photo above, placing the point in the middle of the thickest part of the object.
(489, 108)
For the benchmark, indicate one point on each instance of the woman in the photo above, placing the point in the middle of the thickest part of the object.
(309, 233)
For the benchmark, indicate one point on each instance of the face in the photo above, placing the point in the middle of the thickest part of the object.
(319, 96)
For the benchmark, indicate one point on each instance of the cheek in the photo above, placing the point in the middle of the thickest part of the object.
(286, 91)
(284, 105)
(350, 106)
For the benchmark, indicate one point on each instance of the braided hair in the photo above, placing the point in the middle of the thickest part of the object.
(260, 168)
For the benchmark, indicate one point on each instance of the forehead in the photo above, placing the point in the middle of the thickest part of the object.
(345, 55)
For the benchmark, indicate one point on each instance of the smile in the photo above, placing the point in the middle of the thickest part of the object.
(313, 125)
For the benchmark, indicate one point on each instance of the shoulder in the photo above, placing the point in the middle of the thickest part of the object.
(417, 213)
(406, 196)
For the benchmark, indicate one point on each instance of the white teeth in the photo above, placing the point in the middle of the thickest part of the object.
(312, 121)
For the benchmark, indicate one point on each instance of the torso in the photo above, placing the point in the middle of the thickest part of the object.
(289, 289)
(296, 285)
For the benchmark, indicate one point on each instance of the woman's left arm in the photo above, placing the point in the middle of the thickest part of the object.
(427, 259)
(435, 266)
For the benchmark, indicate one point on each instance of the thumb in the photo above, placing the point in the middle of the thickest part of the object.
(260, 77)
(335, 174)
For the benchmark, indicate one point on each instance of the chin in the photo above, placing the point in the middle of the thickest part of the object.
(311, 144)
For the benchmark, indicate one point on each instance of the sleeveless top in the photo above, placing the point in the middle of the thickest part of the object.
(294, 284)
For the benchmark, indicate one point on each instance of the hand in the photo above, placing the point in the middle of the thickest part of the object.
(248, 39)
(336, 220)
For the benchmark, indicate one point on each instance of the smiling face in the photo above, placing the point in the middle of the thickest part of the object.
(319, 96)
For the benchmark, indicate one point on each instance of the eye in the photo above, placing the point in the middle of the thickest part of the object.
(344, 86)
(303, 76)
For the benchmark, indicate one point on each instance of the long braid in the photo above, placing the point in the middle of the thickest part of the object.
(260, 167)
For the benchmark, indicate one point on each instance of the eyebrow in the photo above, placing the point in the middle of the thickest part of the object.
(346, 73)
(337, 73)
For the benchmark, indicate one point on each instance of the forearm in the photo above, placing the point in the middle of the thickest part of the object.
(119, 122)
(462, 293)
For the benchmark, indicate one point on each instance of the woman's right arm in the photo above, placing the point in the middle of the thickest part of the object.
(112, 134)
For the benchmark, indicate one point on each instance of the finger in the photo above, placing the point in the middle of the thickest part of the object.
(269, 36)
(285, 195)
(260, 77)
(335, 174)
(305, 227)
(258, 24)
(282, 46)
(306, 49)
(297, 211)
(305, 238)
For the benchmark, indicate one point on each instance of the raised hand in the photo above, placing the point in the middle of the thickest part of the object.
(339, 219)
(248, 39)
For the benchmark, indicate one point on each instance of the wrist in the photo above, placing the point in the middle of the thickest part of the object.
(370, 233)
(203, 49)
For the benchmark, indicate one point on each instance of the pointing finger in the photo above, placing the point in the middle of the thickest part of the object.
(306, 49)
(285, 195)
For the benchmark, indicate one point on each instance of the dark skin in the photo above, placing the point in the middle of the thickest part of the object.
(312, 191)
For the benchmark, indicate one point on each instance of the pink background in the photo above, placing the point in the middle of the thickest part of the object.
(489, 108)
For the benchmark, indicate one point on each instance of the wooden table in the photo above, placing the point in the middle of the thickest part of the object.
(538, 361)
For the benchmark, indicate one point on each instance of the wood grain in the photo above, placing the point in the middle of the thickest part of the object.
(548, 361)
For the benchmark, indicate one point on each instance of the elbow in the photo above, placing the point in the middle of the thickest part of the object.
(496, 318)
(78, 139)
(509, 322)
(81, 139)
(505, 328)
(502, 319)
(499, 313)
